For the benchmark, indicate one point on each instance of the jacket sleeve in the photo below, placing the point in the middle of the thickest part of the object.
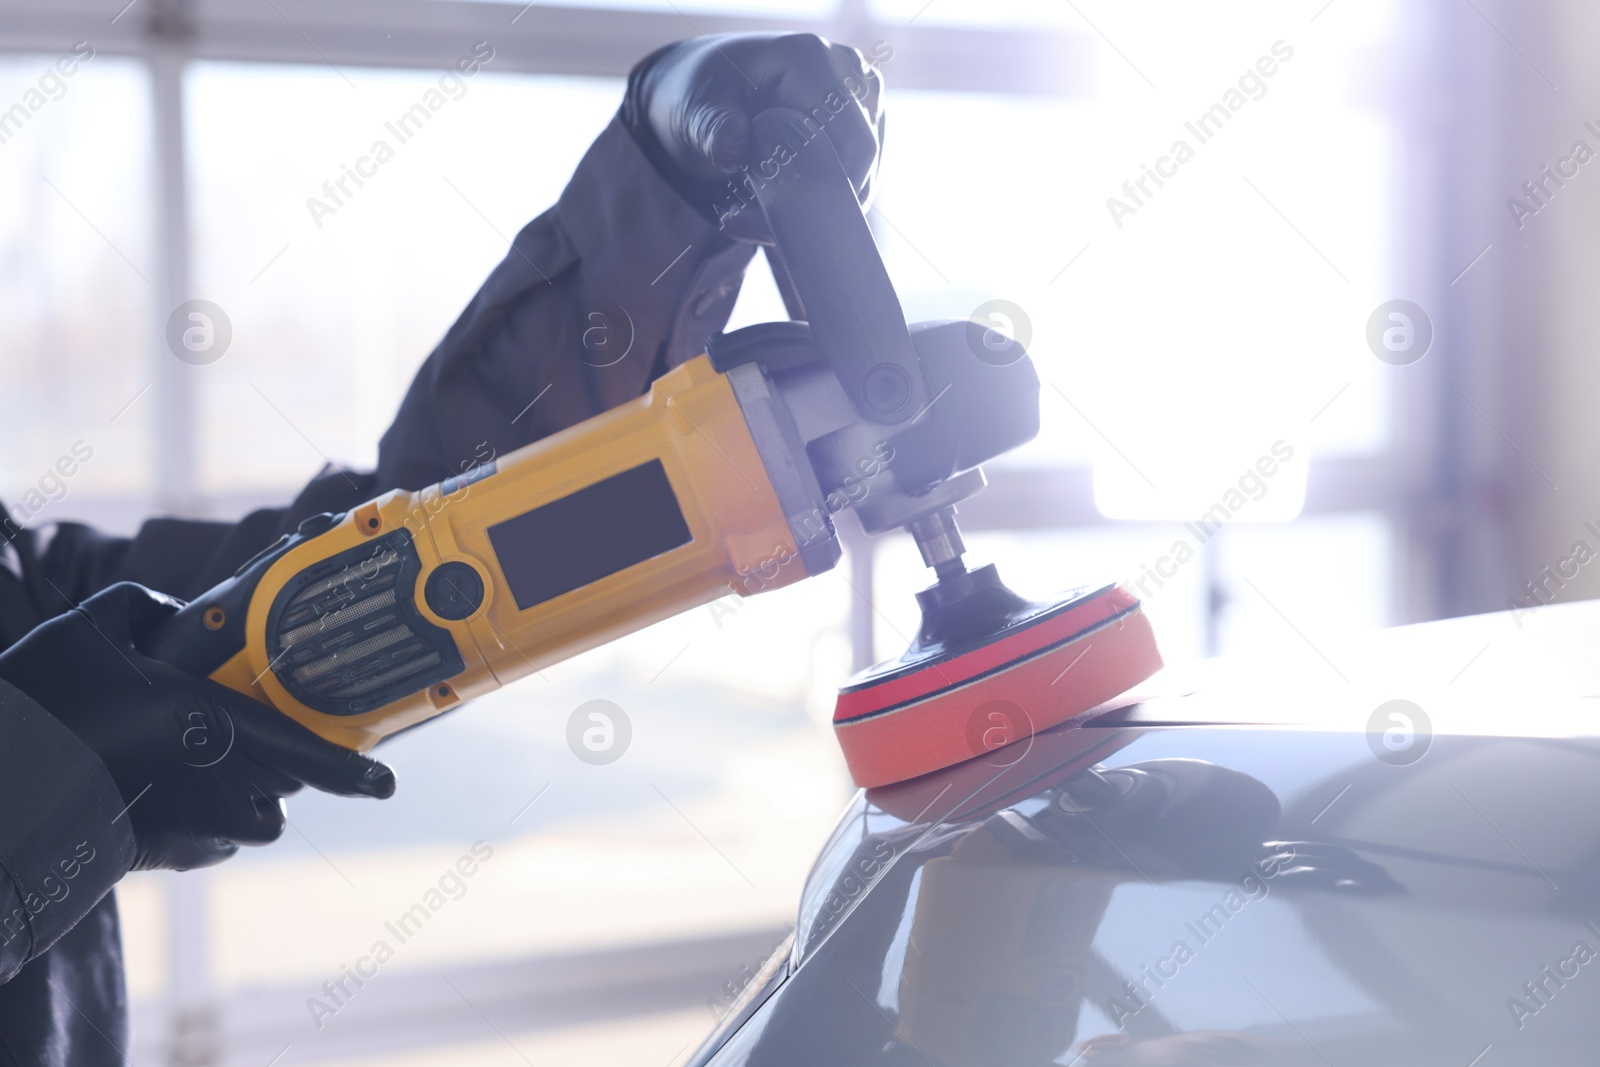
(52, 568)
(616, 283)
(64, 841)
(619, 281)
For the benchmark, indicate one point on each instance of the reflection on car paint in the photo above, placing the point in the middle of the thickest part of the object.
(1106, 899)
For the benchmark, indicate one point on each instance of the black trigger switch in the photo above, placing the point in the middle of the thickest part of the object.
(271, 550)
(308, 528)
(320, 523)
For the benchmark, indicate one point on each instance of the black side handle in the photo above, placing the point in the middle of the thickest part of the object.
(823, 239)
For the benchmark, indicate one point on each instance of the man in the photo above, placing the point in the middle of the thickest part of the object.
(112, 761)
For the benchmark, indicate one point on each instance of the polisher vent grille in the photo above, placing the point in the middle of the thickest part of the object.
(345, 637)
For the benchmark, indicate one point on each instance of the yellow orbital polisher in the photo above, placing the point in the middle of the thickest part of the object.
(724, 477)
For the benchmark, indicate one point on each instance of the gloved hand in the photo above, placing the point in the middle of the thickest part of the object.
(689, 106)
(201, 768)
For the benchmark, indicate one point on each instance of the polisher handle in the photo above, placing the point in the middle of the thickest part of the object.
(810, 204)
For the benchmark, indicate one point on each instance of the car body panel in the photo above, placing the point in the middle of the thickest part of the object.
(1160, 885)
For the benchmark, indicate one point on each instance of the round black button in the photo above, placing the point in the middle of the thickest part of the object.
(453, 590)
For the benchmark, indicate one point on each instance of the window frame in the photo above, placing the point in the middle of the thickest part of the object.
(168, 35)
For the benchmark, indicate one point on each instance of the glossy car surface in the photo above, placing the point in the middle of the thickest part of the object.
(1250, 874)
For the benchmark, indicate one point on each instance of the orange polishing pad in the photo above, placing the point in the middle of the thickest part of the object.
(946, 702)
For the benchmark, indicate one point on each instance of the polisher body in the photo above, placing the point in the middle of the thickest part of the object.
(725, 477)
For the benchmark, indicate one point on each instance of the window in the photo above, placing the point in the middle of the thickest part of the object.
(1182, 329)
(76, 262)
(352, 291)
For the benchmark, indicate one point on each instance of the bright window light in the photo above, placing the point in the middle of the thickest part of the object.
(1195, 248)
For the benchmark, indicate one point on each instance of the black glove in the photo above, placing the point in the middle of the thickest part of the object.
(689, 106)
(200, 767)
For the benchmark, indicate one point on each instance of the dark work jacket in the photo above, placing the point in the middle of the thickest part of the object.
(522, 361)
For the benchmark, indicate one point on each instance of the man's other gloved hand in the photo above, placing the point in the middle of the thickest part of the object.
(689, 106)
(201, 768)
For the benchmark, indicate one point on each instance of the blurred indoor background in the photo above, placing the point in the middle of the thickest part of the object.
(1221, 315)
